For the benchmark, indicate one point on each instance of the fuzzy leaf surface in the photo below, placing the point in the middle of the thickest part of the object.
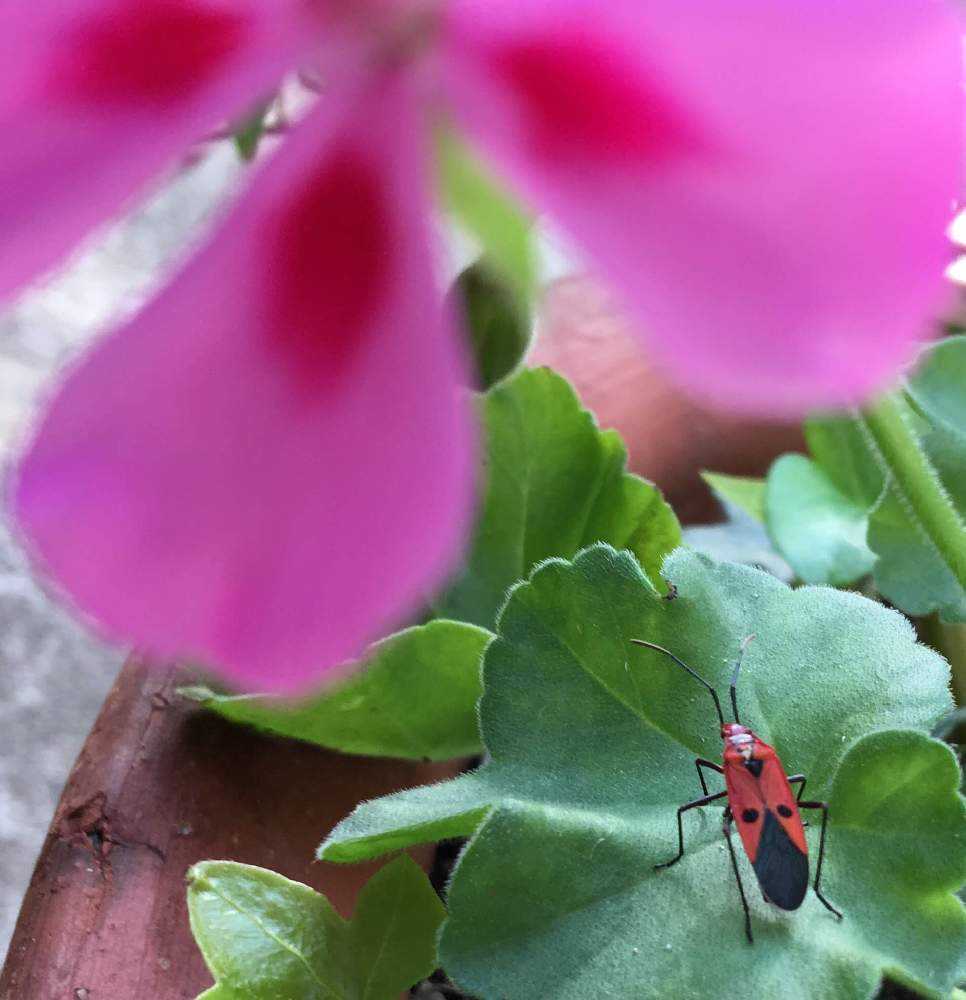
(591, 745)
(265, 937)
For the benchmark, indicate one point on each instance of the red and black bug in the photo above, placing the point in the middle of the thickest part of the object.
(761, 804)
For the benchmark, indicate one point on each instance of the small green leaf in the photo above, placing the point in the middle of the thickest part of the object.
(818, 529)
(414, 698)
(249, 133)
(591, 744)
(746, 492)
(841, 449)
(498, 326)
(939, 386)
(486, 210)
(266, 938)
(555, 483)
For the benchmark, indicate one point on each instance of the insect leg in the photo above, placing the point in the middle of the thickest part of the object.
(792, 778)
(821, 854)
(726, 827)
(703, 801)
(700, 762)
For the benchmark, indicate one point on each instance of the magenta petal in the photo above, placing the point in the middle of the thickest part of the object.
(271, 465)
(97, 96)
(768, 184)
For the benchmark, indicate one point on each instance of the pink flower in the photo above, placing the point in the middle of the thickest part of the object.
(271, 463)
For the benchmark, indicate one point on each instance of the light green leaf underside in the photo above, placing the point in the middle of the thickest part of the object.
(746, 492)
(555, 484)
(265, 937)
(414, 698)
(591, 745)
(820, 531)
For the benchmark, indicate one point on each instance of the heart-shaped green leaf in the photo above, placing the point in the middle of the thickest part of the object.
(591, 744)
(415, 698)
(555, 484)
(267, 938)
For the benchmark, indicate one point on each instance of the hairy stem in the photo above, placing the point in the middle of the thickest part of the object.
(912, 474)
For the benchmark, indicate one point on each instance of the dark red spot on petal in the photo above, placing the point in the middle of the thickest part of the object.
(583, 97)
(331, 270)
(147, 51)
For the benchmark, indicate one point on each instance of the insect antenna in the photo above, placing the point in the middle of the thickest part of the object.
(693, 673)
(734, 676)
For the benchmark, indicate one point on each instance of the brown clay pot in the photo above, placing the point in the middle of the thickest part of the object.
(159, 785)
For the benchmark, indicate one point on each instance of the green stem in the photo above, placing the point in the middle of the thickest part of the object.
(913, 475)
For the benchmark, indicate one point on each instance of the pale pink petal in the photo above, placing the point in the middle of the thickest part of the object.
(97, 96)
(271, 465)
(767, 183)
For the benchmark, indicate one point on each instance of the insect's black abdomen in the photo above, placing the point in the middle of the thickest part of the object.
(781, 867)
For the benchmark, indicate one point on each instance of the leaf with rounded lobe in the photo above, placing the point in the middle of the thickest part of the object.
(555, 483)
(819, 530)
(265, 937)
(591, 744)
(415, 697)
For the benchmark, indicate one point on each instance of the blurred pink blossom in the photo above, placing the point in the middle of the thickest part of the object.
(271, 463)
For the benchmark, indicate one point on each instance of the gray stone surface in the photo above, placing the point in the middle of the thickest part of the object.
(54, 673)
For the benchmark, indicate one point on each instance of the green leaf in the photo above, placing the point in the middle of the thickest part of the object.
(818, 529)
(910, 571)
(498, 327)
(746, 492)
(482, 205)
(415, 698)
(267, 938)
(939, 383)
(591, 744)
(249, 132)
(555, 483)
(834, 517)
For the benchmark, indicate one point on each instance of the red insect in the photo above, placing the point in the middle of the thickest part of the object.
(761, 804)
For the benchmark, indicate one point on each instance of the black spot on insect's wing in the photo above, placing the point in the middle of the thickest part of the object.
(781, 867)
(783, 810)
(755, 766)
(749, 815)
